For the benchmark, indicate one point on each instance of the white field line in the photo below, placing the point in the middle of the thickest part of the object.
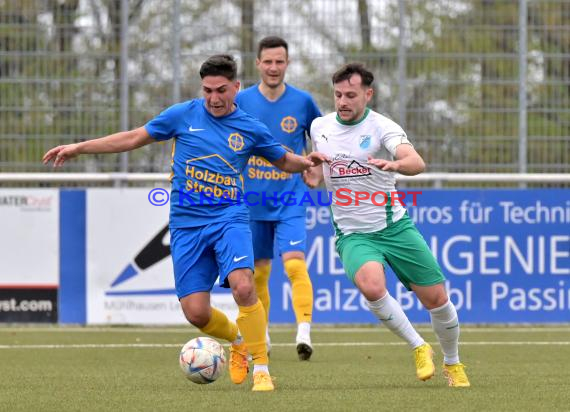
(327, 344)
(276, 330)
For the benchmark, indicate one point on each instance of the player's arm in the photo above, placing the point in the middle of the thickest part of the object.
(282, 159)
(114, 143)
(408, 162)
(313, 176)
(293, 163)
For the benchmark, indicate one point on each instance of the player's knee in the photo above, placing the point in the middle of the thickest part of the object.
(197, 317)
(373, 292)
(244, 292)
(244, 296)
(434, 301)
(371, 288)
(370, 280)
(431, 296)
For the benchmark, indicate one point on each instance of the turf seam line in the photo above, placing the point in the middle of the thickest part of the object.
(325, 344)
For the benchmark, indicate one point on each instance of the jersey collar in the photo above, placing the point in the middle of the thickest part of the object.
(272, 101)
(353, 122)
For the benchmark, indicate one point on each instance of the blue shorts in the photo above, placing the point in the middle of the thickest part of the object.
(291, 236)
(201, 254)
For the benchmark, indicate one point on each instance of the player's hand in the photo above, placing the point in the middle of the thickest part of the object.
(385, 165)
(318, 158)
(311, 178)
(60, 154)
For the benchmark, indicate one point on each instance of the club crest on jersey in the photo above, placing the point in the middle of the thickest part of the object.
(235, 141)
(364, 141)
(341, 169)
(289, 124)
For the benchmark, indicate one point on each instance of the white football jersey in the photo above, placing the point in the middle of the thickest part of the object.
(348, 145)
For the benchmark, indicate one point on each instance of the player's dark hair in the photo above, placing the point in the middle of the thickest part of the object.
(219, 65)
(271, 42)
(350, 69)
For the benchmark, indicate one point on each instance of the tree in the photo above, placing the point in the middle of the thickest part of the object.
(464, 86)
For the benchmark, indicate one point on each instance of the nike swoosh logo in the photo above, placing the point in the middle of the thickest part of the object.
(296, 242)
(237, 259)
(195, 130)
(453, 327)
(388, 318)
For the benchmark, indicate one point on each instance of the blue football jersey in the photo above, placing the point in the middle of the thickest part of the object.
(289, 120)
(209, 155)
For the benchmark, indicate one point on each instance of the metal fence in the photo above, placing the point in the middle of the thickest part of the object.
(479, 85)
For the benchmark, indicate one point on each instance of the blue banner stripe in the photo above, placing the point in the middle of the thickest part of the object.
(142, 292)
(72, 261)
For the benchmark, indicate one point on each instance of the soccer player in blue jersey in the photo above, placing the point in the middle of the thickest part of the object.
(288, 113)
(210, 235)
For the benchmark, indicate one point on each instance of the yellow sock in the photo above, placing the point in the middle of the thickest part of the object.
(252, 324)
(261, 278)
(219, 326)
(302, 289)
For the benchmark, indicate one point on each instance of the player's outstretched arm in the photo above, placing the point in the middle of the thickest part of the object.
(293, 163)
(408, 162)
(313, 176)
(114, 143)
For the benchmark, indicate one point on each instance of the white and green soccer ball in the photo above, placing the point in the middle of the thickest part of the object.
(202, 360)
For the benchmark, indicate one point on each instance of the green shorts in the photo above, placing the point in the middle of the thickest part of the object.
(400, 245)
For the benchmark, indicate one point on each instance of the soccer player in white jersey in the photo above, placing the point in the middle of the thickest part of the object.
(366, 151)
